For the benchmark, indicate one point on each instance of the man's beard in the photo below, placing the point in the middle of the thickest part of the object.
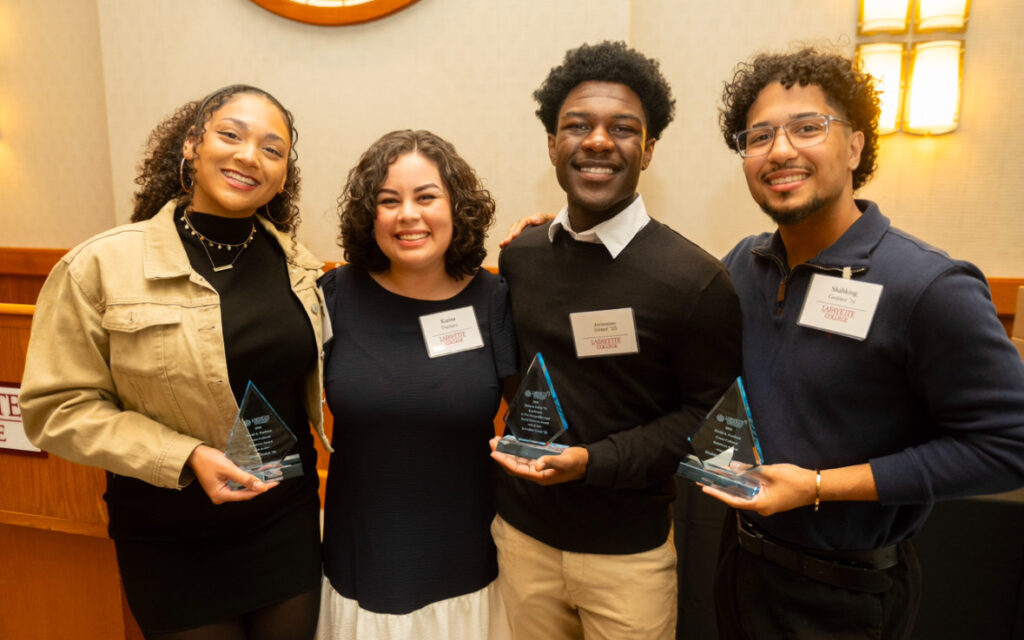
(798, 215)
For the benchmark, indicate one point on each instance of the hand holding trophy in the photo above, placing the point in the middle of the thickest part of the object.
(725, 447)
(260, 442)
(534, 416)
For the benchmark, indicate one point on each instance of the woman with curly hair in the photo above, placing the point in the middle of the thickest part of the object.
(422, 343)
(145, 339)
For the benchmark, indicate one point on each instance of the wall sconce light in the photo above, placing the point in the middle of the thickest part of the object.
(941, 15)
(882, 16)
(884, 61)
(926, 98)
(933, 98)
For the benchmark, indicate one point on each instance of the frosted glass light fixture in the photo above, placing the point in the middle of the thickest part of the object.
(882, 16)
(884, 61)
(941, 15)
(933, 95)
(922, 96)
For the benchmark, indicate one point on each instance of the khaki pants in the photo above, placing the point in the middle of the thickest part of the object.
(552, 594)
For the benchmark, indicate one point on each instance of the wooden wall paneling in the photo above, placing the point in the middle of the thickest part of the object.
(20, 289)
(29, 261)
(23, 271)
(58, 585)
(15, 324)
(1004, 296)
(58, 569)
(37, 489)
(46, 492)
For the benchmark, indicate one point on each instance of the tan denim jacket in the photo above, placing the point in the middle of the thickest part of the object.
(125, 367)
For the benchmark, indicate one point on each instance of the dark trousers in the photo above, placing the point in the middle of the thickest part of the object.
(756, 598)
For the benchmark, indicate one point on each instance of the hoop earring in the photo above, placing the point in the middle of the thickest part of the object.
(266, 210)
(287, 220)
(181, 177)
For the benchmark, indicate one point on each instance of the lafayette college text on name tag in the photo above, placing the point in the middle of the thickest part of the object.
(610, 332)
(450, 332)
(840, 305)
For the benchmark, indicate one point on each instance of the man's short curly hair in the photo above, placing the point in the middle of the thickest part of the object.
(161, 172)
(472, 205)
(608, 62)
(847, 88)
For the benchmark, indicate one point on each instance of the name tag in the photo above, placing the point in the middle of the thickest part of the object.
(840, 305)
(450, 332)
(610, 332)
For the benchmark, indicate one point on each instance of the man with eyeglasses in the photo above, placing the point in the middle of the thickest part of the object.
(879, 378)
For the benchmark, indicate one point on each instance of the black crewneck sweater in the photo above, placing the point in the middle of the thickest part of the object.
(632, 412)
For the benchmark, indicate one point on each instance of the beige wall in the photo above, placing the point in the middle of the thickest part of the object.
(462, 69)
(55, 183)
(695, 183)
(466, 70)
(964, 192)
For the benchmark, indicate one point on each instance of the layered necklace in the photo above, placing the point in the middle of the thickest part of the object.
(208, 244)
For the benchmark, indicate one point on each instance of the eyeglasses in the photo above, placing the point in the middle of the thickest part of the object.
(801, 133)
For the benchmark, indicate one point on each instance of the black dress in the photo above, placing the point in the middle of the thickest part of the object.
(184, 561)
(410, 488)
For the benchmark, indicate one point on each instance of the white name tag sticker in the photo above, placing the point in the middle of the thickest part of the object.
(450, 332)
(610, 332)
(840, 305)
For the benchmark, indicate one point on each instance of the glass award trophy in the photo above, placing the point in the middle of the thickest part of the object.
(260, 442)
(725, 447)
(534, 416)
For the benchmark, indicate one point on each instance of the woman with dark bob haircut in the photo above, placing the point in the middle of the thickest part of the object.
(472, 206)
(145, 342)
(423, 347)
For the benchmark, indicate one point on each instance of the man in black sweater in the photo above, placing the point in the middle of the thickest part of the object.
(583, 537)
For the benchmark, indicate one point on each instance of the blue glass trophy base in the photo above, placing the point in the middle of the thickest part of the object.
(728, 480)
(532, 450)
(725, 447)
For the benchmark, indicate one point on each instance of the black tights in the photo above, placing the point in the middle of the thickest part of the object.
(291, 619)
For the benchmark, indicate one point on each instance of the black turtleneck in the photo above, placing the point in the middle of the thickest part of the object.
(268, 340)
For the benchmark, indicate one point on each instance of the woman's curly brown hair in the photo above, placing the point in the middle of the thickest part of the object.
(471, 204)
(161, 174)
(848, 90)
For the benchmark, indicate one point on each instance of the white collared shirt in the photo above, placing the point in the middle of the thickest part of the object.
(614, 233)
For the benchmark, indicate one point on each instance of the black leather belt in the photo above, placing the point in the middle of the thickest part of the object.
(857, 570)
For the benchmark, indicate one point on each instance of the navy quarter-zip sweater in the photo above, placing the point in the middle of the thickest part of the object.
(933, 398)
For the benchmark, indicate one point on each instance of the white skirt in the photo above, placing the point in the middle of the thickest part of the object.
(474, 616)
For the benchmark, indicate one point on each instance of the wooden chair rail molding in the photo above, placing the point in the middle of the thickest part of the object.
(8, 309)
